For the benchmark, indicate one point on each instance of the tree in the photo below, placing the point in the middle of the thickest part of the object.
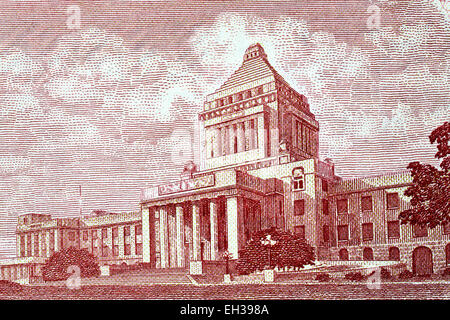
(57, 266)
(430, 189)
(287, 250)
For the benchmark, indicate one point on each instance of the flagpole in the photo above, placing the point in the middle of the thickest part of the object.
(80, 201)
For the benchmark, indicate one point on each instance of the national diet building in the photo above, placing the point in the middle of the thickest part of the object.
(260, 169)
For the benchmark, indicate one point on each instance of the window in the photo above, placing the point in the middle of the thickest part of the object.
(85, 235)
(104, 251)
(138, 248)
(71, 235)
(138, 229)
(324, 185)
(420, 231)
(394, 254)
(115, 250)
(299, 207)
(342, 206)
(115, 232)
(325, 206)
(393, 229)
(127, 249)
(366, 203)
(298, 176)
(342, 232)
(367, 254)
(392, 200)
(300, 230)
(104, 233)
(343, 254)
(94, 234)
(126, 231)
(326, 233)
(367, 231)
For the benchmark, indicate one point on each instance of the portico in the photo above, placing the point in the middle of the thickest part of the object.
(199, 225)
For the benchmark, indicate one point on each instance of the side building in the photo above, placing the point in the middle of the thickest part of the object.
(114, 238)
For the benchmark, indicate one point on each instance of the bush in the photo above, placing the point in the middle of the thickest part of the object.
(288, 250)
(446, 272)
(323, 277)
(354, 276)
(405, 274)
(385, 274)
(9, 286)
(56, 267)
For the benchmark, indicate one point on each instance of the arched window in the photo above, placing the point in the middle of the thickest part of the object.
(394, 253)
(343, 254)
(298, 177)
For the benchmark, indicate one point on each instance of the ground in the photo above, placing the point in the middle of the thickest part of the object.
(425, 290)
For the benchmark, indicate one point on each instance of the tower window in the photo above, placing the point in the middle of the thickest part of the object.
(298, 176)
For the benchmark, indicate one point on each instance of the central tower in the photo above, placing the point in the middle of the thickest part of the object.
(256, 115)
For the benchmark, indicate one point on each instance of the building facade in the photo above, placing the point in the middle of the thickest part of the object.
(113, 238)
(261, 169)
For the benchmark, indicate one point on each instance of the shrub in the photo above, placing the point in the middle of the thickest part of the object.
(288, 250)
(56, 267)
(405, 274)
(323, 277)
(385, 274)
(354, 276)
(9, 286)
(446, 272)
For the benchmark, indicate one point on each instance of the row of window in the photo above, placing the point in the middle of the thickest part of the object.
(392, 202)
(342, 204)
(394, 254)
(299, 207)
(115, 232)
(240, 96)
(393, 229)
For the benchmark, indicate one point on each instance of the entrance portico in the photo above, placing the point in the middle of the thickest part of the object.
(197, 223)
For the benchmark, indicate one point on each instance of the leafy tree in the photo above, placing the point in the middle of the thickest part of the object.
(287, 250)
(56, 267)
(430, 190)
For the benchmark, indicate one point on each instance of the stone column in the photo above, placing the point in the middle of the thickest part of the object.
(252, 134)
(234, 221)
(226, 140)
(171, 226)
(180, 235)
(25, 244)
(121, 240)
(233, 135)
(18, 252)
(214, 229)
(260, 134)
(57, 241)
(240, 137)
(163, 233)
(145, 213)
(218, 151)
(33, 246)
(47, 242)
(196, 230)
(39, 253)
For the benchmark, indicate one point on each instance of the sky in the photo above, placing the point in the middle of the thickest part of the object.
(105, 95)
